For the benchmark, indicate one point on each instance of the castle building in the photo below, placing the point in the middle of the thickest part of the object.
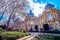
(50, 16)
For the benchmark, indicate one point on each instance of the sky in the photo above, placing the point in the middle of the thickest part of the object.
(37, 6)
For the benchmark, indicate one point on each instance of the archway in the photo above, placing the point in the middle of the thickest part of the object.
(36, 28)
(45, 27)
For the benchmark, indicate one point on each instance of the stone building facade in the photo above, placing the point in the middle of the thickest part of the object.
(49, 16)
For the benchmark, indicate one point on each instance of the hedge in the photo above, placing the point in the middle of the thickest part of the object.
(1, 29)
(12, 35)
(47, 37)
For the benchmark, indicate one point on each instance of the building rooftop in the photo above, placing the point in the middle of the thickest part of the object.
(49, 5)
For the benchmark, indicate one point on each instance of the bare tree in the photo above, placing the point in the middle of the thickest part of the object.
(13, 7)
(5, 5)
(18, 10)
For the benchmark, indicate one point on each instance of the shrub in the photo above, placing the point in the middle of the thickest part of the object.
(56, 37)
(12, 35)
(1, 29)
(49, 37)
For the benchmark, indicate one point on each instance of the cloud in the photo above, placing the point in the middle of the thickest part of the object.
(37, 8)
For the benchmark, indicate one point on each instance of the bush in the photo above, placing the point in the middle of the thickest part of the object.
(23, 31)
(48, 37)
(12, 35)
(1, 29)
(56, 37)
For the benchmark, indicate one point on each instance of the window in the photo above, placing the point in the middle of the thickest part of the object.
(42, 20)
(36, 22)
(57, 15)
(31, 22)
(59, 23)
(49, 17)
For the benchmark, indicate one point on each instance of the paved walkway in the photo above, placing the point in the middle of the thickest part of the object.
(26, 38)
(30, 37)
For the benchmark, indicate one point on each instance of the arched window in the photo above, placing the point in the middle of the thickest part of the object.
(59, 23)
(49, 17)
(31, 22)
(57, 16)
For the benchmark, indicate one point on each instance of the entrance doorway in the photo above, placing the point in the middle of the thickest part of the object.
(36, 28)
(45, 27)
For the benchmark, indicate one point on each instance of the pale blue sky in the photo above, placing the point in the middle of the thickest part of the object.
(55, 2)
(40, 3)
(37, 6)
